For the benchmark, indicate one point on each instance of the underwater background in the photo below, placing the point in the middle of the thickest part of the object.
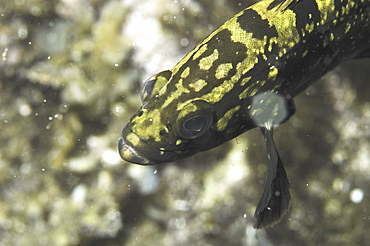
(70, 77)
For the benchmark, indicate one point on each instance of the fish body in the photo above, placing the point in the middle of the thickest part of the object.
(274, 48)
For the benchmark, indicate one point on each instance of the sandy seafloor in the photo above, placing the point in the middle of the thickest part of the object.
(70, 72)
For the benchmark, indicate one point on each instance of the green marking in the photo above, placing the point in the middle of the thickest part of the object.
(223, 122)
(206, 62)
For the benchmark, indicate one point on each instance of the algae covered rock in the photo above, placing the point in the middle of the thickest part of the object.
(70, 76)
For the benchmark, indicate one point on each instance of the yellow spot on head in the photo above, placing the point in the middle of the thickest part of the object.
(199, 52)
(245, 81)
(273, 73)
(284, 23)
(180, 90)
(223, 70)
(252, 89)
(133, 139)
(309, 27)
(304, 53)
(148, 125)
(223, 122)
(206, 62)
(198, 85)
(185, 73)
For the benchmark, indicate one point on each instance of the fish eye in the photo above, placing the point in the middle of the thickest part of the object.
(147, 88)
(195, 124)
(194, 119)
(152, 85)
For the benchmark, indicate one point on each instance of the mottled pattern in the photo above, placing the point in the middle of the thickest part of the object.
(274, 49)
(282, 46)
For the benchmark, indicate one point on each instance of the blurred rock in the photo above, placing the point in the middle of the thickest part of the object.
(70, 72)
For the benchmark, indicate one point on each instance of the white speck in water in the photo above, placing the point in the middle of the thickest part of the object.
(63, 108)
(245, 215)
(79, 195)
(58, 116)
(49, 57)
(4, 54)
(268, 208)
(184, 42)
(357, 195)
(116, 64)
(43, 169)
(50, 118)
(22, 32)
(24, 110)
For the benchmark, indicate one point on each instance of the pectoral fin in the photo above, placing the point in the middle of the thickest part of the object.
(275, 199)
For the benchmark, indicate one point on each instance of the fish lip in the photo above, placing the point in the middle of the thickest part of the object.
(128, 153)
(132, 148)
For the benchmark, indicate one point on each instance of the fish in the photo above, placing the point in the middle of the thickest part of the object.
(245, 75)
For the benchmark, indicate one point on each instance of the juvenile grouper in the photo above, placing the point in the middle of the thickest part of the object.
(245, 75)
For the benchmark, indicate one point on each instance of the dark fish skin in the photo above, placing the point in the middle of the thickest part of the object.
(272, 48)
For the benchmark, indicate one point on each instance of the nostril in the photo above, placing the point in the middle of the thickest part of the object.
(169, 126)
(162, 132)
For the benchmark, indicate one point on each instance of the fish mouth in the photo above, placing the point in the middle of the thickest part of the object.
(132, 148)
(135, 150)
(128, 153)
